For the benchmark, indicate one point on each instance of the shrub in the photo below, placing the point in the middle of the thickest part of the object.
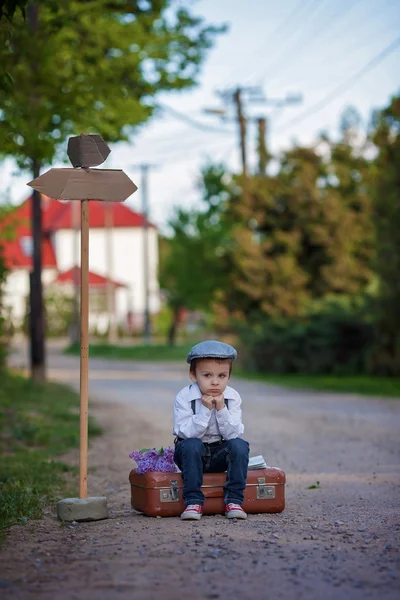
(333, 341)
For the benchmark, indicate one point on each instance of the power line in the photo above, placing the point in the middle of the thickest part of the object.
(312, 35)
(190, 121)
(338, 90)
(298, 8)
(176, 139)
(177, 158)
(178, 148)
(287, 50)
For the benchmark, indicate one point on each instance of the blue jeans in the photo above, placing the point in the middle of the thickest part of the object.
(195, 458)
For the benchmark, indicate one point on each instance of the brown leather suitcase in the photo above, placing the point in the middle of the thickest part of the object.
(159, 494)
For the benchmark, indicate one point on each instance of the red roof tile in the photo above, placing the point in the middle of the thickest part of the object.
(57, 215)
(15, 256)
(95, 280)
(17, 251)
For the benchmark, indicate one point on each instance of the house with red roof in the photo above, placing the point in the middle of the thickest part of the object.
(116, 259)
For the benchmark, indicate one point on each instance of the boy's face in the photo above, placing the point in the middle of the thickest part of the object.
(212, 377)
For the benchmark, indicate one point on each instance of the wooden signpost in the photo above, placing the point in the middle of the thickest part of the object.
(83, 183)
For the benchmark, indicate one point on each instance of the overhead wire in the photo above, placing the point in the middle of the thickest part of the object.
(314, 34)
(203, 127)
(287, 50)
(299, 7)
(197, 124)
(342, 87)
(185, 149)
(172, 145)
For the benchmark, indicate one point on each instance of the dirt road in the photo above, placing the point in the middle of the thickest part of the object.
(339, 541)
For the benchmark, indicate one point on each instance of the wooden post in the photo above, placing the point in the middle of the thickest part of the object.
(83, 455)
(74, 332)
(84, 151)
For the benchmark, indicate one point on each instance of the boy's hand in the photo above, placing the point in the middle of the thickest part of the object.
(208, 401)
(219, 402)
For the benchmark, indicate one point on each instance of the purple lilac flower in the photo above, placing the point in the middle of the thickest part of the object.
(166, 466)
(136, 456)
(154, 460)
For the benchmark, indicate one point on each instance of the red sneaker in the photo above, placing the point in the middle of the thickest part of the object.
(192, 511)
(234, 511)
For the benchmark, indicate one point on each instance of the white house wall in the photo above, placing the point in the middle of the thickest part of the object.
(63, 242)
(127, 264)
(17, 291)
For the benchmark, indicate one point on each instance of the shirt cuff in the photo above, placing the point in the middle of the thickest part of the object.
(222, 413)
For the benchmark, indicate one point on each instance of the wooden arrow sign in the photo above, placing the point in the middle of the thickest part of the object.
(85, 184)
(110, 185)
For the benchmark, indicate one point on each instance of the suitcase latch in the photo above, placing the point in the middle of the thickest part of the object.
(264, 490)
(170, 494)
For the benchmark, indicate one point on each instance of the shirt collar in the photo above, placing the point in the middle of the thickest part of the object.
(195, 393)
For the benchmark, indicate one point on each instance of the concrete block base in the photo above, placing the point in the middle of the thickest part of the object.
(82, 509)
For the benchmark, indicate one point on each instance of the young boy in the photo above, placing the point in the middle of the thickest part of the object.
(208, 425)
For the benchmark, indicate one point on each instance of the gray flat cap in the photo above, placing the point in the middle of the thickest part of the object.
(211, 349)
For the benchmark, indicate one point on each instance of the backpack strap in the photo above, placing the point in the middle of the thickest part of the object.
(193, 403)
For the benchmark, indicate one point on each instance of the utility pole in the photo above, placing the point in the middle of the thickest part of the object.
(262, 146)
(253, 95)
(37, 321)
(144, 168)
(237, 98)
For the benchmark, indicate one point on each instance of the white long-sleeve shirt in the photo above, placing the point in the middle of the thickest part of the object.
(208, 425)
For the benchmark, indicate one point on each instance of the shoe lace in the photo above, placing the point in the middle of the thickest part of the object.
(193, 507)
(232, 506)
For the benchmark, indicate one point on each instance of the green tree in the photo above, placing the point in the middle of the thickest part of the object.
(9, 7)
(92, 66)
(304, 233)
(386, 193)
(193, 264)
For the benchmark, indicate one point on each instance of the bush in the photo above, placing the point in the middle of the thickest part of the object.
(333, 341)
(58, 314)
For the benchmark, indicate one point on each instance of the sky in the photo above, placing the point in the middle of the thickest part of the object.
(333, 54)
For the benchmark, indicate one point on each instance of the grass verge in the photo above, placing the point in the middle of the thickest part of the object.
(38, 423)
(156, 352)
(363, 385)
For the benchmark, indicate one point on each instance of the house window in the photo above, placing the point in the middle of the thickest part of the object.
(26, 243)
(97, 301)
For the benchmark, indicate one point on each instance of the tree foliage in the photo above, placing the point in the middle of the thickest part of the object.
(305, 232)
(334, 340)
(307, 255)
(386, 192)
(93, 66)
(8, 8)
(194, 258)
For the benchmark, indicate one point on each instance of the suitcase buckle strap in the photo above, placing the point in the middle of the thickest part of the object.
(170, 494)
(264, 490)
